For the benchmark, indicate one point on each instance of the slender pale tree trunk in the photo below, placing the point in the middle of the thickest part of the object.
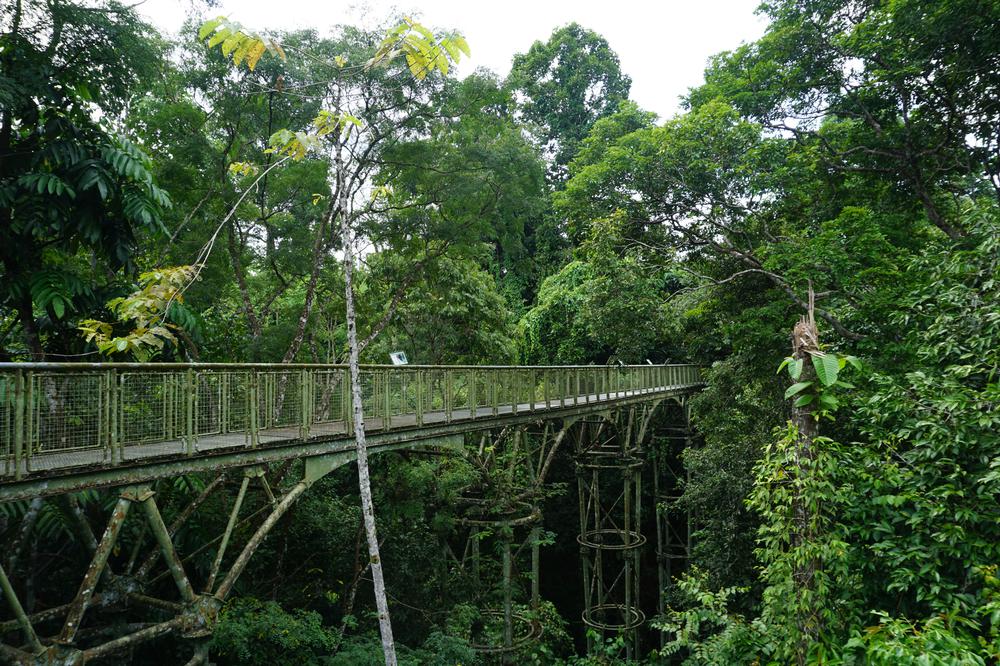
(364, 478)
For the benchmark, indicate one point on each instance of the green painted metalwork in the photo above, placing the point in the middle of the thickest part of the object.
(59, 417)
(66, 427)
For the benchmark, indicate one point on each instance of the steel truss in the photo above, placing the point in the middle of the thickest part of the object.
(117, 580)
(674, 524)
(137, 568)
(609, 462)
(502, 509)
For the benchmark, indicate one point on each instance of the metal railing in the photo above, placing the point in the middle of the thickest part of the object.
(56, 415)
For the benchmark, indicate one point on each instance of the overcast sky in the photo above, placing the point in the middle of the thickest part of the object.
(663, 44)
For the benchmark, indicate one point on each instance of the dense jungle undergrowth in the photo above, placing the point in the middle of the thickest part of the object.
(228, 195)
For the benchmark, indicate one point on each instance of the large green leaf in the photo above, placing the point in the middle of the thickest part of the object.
(796, 388)
(827, 367)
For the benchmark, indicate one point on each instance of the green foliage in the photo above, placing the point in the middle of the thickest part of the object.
(456, 314)
(236, 44)
(147, 310)
(800, 498)
(424, 51)
(819, 394)
(438, 650)
(260, 633)
(704, 631)
(903, 525)
(73, 189)
(943, 640)
(555, 330)
(568, 83)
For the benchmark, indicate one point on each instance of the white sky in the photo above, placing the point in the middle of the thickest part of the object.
(663, 45)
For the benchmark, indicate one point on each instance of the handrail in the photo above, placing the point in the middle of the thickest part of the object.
(56, 366)
(61, 415)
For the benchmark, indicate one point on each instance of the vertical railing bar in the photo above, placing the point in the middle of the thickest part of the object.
(545, 389)
(253, 411)
(387, 418)
(494, 391)
(473, 399)
(223, 403)
(420, 397)
(30, 419)
(117, 416)
(19, 414)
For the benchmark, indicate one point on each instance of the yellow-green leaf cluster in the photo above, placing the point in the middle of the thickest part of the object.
(328, 122)
(292, 144)
(144, 309)
(236, 43)
(424, 51)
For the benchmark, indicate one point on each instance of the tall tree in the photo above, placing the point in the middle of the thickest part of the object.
(565, 85)
(375, 98)
(74, 190)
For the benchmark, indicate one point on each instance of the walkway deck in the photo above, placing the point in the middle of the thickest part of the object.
(72, 426)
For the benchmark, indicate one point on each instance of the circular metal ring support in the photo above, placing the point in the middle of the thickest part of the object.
(635, 617)
(534, 632)
(595, 539)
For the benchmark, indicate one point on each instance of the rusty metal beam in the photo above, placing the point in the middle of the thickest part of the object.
(79, 604)
(162, 535)
(148, 563)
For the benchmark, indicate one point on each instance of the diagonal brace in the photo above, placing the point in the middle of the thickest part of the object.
(79, 604)
(162, 535)
(22, 617)
(230, 526)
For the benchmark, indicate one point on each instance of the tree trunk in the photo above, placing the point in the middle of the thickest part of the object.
(25, 312)
(364, 478)
(805, 343)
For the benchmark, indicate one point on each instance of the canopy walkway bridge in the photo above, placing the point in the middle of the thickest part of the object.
(66, 428)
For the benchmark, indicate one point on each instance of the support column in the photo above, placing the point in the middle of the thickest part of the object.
(609, 469)
(674, 524)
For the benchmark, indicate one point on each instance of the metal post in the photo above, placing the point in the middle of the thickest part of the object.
(190, 391)
(516, 380)
(224, 398)
(545, 388)
(447, 396)
(420, 397)
(115, 407)
(29, 421)
(534, 385)
(496, 391)
(305, 402)
(508, 611)
(19, 413)
(473, 399)
(387, 404)
(536, 537)
(253, 408)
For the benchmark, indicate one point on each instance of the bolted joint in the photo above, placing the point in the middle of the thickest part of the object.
(253, 471)
(200, 617)
(137, 493)
(58, 655)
